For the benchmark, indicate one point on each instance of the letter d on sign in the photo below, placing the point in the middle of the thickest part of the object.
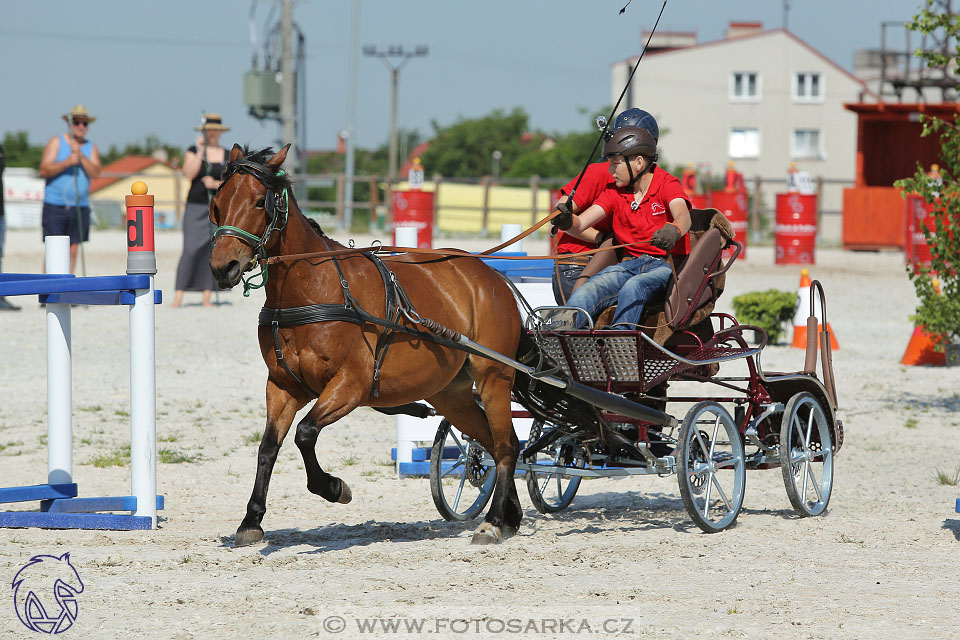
(135, 231)
(140, 255)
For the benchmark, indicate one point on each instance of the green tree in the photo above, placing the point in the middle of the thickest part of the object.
(19, 152)
(564, 159)
(939, 312)
(465, 149)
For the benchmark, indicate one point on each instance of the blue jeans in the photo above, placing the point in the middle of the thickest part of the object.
(631, 285)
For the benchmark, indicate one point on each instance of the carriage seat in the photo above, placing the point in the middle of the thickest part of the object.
(692, 295)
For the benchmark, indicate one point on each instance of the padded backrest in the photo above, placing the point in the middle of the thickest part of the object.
(693, 288)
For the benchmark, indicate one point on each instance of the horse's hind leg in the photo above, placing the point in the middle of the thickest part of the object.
(281, 409)
(492, 427)
(327, 410)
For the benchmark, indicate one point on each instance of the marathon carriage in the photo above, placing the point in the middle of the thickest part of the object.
(757, 420)
(599, 396)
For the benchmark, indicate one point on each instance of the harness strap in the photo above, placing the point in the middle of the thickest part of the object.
(349, 311)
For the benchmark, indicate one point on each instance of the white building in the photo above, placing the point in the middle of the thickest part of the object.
(762, 99)
(23, 197)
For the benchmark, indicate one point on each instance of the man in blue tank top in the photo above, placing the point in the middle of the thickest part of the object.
(68, 163)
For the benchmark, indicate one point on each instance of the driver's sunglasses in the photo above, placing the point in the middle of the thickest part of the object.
(77, 122)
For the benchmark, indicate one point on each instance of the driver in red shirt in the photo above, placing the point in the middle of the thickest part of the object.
(650, 212)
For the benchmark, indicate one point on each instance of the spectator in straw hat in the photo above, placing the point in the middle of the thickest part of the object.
(203, 164)
(68, 163)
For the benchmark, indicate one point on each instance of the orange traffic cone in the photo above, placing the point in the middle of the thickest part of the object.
(803, 311)
(920, 350)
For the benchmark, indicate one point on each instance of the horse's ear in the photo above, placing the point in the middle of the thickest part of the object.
(236, 153)
(278, 158)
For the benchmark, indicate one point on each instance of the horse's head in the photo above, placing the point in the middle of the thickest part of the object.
(250, 205)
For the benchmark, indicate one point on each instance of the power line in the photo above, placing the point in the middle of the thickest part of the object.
(113, 39)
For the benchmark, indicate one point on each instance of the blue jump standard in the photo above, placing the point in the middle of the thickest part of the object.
(69, 289)
(61, 509)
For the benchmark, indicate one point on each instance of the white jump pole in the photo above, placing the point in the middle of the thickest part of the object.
(508, 231)
(59, 372)
(143, 378)
(406, 236)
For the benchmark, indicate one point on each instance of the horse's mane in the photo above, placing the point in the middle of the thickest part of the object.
(269, 178)
(259, 159)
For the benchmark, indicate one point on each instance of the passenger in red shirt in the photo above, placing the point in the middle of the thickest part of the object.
(595, 180)
(650, 213)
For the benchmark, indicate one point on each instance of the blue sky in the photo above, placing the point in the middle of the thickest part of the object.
(150, 68)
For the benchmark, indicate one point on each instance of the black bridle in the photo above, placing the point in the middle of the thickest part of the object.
(277, 206)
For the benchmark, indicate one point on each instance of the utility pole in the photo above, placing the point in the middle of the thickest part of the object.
(394, 51)
(287, 80)
(349, 161)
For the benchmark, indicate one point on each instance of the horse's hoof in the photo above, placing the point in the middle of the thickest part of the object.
(508, 531)
(345, 494)
(246, 537)
(486, 533)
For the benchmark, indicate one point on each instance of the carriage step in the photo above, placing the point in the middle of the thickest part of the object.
(422, 469)
(422, 454)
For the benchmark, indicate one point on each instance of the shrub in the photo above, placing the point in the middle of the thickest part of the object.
(939, 311)
(766, 309)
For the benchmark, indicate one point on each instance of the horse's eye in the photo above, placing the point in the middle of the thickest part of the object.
(216, 215)
(261, 203)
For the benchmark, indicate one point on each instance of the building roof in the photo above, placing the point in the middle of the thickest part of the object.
(741, 38)
(899, 110)
(416, 152)
(123, 167)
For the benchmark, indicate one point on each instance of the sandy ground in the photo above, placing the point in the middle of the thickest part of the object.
(625, 559)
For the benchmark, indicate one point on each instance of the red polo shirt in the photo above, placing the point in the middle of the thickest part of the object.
(653, 212)
(595, 180)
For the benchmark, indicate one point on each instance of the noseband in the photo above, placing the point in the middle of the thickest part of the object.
(277, 207)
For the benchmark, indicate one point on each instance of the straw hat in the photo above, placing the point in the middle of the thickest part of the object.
(78, 111)
(212, 121)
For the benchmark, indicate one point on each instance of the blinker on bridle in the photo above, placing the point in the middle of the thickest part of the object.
(275, 204)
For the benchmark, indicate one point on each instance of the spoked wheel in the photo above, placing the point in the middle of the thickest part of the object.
(554, 491)
(806, 455)
(711, 468)
(460, 481)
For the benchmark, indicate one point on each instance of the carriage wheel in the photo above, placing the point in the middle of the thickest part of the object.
(711, 468)
(554, 491)
(806, 455)
(460, 481)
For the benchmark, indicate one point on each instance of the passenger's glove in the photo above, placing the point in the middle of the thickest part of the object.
(565, 219)
(666, 237)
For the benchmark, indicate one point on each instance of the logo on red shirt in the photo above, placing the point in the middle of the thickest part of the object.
(657, 209)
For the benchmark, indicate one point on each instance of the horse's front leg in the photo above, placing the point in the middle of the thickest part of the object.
(281, 409)
(333, 404)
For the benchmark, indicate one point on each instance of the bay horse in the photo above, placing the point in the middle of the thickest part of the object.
(341, 363)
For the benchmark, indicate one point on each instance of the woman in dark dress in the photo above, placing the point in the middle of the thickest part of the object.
(203, 164)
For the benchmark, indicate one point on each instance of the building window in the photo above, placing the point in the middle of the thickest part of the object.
(808, 87)
(807, 143)
(744, 142)
(745, 86)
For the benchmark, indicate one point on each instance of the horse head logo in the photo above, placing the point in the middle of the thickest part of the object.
(45, 593)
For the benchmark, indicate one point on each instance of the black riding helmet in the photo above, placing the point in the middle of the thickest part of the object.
(630, 142)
